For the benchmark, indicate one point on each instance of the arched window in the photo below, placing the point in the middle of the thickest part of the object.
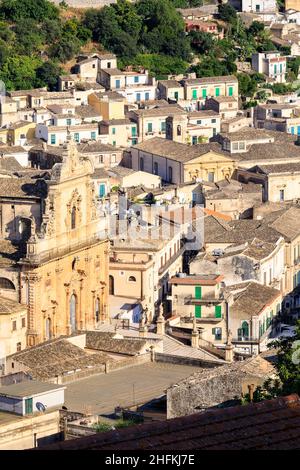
(131, 279)
(245, 328)
(111, 285)
(73, 306)
(6, 284)
(178, 130)
(97, 310)
(73, 218)
(48, 329)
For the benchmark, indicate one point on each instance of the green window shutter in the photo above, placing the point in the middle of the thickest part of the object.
(198, 292)
(213, 331)
(217, 91)
(194, 95)
(204, 93)
(230, 91)
(218, 311)
(28, 406)
(198, 311)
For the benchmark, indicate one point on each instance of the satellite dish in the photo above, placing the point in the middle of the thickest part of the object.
(40, 406)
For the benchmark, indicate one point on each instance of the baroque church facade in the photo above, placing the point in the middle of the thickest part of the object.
(53, 257)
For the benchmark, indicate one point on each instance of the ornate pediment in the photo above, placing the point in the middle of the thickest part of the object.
(73, 164)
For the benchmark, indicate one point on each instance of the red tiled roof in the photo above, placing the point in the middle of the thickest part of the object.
(273, 425)
(219, 215)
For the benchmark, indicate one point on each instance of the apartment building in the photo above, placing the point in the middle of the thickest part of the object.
(272, 64)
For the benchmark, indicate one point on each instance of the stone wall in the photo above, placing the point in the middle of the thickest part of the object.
(85, 3)
(187, 361)
(209, 388)
(129, 362)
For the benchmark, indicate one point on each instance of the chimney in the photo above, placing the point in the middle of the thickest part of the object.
(195, 335)
(251, 391)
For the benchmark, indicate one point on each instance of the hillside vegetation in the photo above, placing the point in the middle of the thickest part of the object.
(39, 40)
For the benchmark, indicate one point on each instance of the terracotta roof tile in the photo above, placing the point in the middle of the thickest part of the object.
(271, 424)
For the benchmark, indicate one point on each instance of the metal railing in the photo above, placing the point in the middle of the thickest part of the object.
(63, 250)
(209, 300)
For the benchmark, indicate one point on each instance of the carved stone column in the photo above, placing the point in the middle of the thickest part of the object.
(33, 279)
(68, 324)
(94, 307)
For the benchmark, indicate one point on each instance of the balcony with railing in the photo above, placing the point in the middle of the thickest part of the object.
(205, 318)
(190, 300)
(246, 340)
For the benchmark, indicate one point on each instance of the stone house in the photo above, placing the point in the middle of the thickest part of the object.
(232, 198)
(58, 134)
(215, 387)
(13, 324)
(226, 106)
(24, 424)
(110, 105)
(278, 117)
(271, 64)
(255, 6)
(170, 90)
(199, 296)
(250, 260)
(252, 315)
(280, 182)
(198, 89)
(141, 267)
(118, 132)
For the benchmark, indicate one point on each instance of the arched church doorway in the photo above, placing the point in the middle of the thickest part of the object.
(111, 285)
(73, 302)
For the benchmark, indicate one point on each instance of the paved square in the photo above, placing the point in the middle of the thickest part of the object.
(133, 385)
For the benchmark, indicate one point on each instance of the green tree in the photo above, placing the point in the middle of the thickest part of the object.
(202, 42)
(256, 28)
(47, 74)
(38, 10)
(127, 17)
(19, 72)
(157, 64)
(227, 12)
(51, 30)
(29, 38)
(247, 85)
(287, 367)
(65, 49)
(211, 66)
(163, 28)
